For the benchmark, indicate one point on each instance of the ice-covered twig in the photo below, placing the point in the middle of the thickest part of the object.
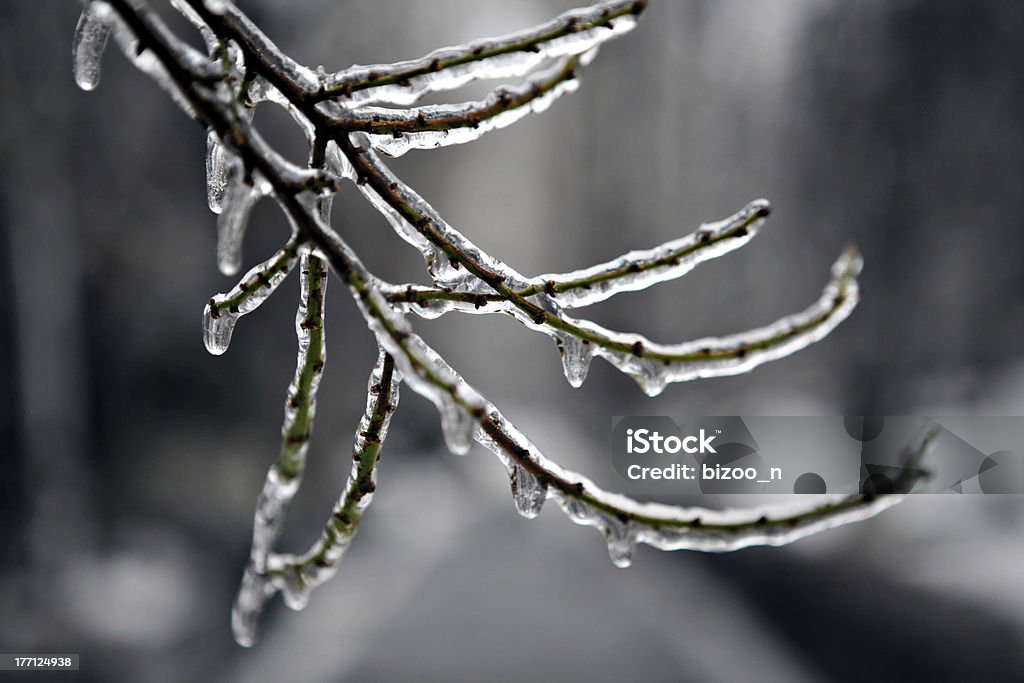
(395, 131)
(285, 476)
(624, 522)
(223, 310)
(297, 575)
(654, 365)
(630, 272)
(227, 22)
(516, 54)
(456, 262)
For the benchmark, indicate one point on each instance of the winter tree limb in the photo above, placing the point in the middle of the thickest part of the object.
(242, 70)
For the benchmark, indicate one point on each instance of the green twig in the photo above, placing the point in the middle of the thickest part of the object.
(348, 510)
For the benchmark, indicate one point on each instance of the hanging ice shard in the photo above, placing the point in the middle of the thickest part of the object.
(621, 542)
(576, 355)
(90, 40)
(528, 492)
(218, 165)
(241, 195)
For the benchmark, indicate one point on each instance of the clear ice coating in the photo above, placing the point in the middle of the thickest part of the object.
(621, 542)
(457, 425)
(652, 365)
(576, 355)
(223, 311)
(439, 264)
(218, 163)
(295, 591)
(304, 77)
(295, 576)
(285, 475)
(508, 63)
(91, 35)
(622, 522)
(637, 270)
(528, 492)
(271, 512)
(240, 196)
(399, 144)
(245, 613)
(186, 10)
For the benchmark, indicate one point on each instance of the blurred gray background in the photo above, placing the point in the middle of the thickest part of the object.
(131, 458)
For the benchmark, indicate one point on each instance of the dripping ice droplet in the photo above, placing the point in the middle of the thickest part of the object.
(91, 35)
(236, 206)
(527, 492)
(458, 426)
(576, 356)
(218, 163)
(621, 543)
(217, 330)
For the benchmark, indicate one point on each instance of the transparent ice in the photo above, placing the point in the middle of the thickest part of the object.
(90, 40)
(253, 289)
(507, 65)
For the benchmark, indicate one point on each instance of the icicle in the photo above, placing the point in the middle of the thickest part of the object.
(338, 163)
(457, 425)
(576, 355)
(91, 35)
(621, 542)
(217, 330)
(219, 317)
(218, 165)
(528, 492)
(576, 510)
(239, 198)
(652, 376)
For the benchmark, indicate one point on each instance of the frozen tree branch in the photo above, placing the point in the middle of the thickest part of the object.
(268, 573)
(395, 131)
(516, 54)
(628, 273)
(243, 69)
